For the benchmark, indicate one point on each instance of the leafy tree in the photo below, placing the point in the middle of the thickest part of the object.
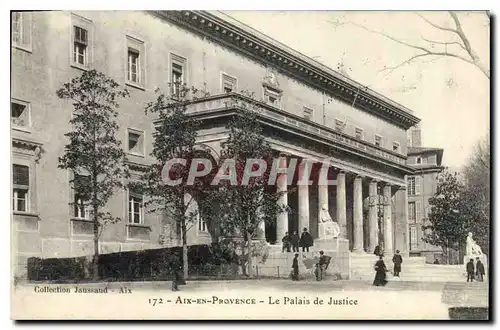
(477, 177)
(174, 138)
(448, 225)
(247, 205)
(94, 154)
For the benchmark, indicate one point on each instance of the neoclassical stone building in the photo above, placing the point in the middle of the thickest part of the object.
(308, 111)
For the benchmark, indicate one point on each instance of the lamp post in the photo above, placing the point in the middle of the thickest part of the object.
(379, 201)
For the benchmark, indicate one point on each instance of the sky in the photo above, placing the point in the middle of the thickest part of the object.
(450, 96)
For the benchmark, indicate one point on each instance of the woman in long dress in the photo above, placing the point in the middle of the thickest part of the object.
(380, 273)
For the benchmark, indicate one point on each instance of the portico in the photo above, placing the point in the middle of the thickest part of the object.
(353, 201)
(366, 194)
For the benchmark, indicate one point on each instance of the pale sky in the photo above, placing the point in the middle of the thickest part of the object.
(450, 96)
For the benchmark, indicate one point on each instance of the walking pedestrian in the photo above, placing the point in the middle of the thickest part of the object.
(470, 270)
(295, 267)
(306, 240)
(380, 272)
(397, 260)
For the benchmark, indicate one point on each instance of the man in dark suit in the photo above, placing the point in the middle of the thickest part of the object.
(470, 270)
(286, 243)
(479, 270)
(397, 260)
(294, 240)
(306, 240)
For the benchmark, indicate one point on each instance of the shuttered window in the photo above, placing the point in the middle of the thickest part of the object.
(21, 29)
(413, 238)
(20, 191)
(418, 211)
(417, 185)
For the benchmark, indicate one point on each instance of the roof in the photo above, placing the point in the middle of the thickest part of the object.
(244, 39)
(426, 150)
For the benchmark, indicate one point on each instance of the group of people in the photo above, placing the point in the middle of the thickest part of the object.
(292, 242)
(478, 270)
(319, 271)
(381, 269)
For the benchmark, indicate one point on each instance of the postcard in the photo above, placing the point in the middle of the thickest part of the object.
(250, 165)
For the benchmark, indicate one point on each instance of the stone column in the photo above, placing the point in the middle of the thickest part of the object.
(373, 216)
(341, 205)
(401, 230)
(358, 215)
(388, 241)
(281, 186)
(322, 196)
(303, 187)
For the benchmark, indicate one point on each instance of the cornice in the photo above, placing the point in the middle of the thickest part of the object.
(292, 63)
(226, 105)
(136, 167)
(27, 147)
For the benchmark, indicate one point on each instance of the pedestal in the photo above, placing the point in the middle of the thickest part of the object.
(326, 230)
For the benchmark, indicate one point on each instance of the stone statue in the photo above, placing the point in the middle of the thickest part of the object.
(271, 78)
(472, 249)
(327, 227)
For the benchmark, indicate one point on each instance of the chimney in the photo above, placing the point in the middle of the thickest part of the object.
(416, 137)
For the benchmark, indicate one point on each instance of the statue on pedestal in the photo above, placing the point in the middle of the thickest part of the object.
(472, 249)
(327, 227)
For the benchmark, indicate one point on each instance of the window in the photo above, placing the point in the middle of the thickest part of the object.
(413, 238)
(80, 44)
(177, 74)
(308, 113)
(414, 185)
(378, 140)
(133, 65)
(20, 114)
(272, 96)
(418, 212)
(202, 225)
(419, 160)
(229, 83)
(135, 208)
(339, 125)
(135, 62)
(21, 30)
(395, 146)
(81, 200)
(411, 212)
(358, 133)
(135, 142)
(20, 192)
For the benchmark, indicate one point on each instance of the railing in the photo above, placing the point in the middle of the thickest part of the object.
(213, 104)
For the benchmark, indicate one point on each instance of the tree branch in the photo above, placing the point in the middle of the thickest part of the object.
(427, 52)
(408, 61)
(445, 43)
(437, 26)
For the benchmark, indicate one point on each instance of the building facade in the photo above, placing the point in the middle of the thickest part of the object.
(308, 111)
(422, 185)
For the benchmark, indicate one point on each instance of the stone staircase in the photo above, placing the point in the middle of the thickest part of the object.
(413, 269)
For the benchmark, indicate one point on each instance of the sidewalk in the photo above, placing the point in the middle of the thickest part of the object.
(453, 294)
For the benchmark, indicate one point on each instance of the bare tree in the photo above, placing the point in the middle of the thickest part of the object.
(460, 48)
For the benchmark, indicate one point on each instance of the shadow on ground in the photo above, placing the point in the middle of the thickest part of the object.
(468, 313)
